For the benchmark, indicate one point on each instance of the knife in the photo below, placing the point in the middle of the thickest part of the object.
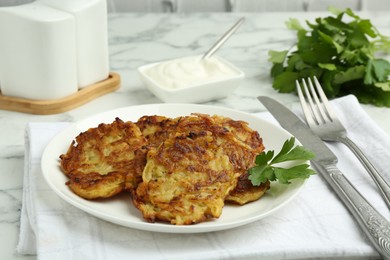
(375, 226)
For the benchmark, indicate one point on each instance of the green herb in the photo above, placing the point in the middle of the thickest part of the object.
(265, 170)
(341, 54)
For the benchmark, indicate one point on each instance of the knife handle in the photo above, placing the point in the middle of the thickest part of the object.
(374, 225)
(383, 185)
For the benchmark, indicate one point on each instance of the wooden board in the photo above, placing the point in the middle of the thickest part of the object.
(48, 107)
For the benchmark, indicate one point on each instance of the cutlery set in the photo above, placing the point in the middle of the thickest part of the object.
(323, 122)
(323, 125)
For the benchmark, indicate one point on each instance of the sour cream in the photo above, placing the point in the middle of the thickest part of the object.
(189, 71)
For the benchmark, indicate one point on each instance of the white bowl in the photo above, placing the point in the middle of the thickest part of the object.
(198, 90)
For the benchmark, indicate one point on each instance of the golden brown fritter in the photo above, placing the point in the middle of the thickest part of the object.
(186, 180)
(245, 192)
(105, 160)
(158, 128)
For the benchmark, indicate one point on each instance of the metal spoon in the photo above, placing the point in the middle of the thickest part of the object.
(223, 39)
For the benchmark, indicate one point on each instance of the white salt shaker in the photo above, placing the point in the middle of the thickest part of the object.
(91, 37)
(37, 52)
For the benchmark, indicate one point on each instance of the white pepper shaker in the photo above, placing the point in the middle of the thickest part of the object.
(91, 37)
(37, 52)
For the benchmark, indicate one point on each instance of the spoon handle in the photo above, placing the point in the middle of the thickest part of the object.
(223, 39)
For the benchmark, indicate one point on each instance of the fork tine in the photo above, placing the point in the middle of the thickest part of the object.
(306, 111)
(313, 109)
(322, 113)
(324, 100)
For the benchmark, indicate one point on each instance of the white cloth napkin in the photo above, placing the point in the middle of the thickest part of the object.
(314, 224)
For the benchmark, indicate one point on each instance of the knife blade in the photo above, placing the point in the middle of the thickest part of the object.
(375, 226)
(289, 121)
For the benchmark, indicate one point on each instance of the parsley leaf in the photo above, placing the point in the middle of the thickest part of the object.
(277, 56)
(340, 51)
(265, 169)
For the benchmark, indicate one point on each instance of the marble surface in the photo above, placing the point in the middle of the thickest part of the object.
(138, 39)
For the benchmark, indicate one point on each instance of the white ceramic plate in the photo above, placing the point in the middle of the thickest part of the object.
(120, 209)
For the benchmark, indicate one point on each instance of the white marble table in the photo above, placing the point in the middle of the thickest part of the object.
(137, 39)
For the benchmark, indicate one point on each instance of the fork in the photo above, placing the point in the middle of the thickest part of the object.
(323, 121)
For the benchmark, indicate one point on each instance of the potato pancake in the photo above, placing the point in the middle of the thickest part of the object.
(186, 180)
(105, 160)
(189, 175)
(245, 192)
(157, 129)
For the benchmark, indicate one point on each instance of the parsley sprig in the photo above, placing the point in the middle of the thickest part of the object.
(341, 52)
(265, 168)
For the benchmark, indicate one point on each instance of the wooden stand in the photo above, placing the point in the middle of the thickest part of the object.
(48, 107)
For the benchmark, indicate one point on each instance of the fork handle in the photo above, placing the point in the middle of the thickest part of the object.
(383, 185)
(375, 226)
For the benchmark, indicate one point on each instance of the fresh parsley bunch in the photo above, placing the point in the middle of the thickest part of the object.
(340, 51)
(265, 168)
